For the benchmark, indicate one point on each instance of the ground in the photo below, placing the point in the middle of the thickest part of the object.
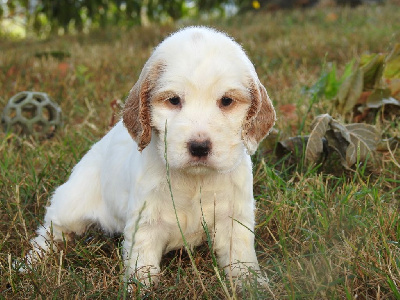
(322, 233)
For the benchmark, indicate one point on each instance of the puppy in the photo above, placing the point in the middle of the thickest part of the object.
(177, 161)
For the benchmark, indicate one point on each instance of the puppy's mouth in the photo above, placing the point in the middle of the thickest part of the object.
(199, 167)
(199, 163)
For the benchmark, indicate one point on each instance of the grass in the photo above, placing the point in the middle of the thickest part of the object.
(321, 234)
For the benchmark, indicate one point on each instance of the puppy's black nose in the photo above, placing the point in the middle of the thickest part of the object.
(199, 148)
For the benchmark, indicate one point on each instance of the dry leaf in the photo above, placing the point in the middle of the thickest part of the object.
(295, 146)
(269, 142)
(388, 144)
(288, 114)
(353, 142)
(377, 97)
(314, 147)
(364, 140)
(339, 144)
(331, 17)
(63, 68)
(394, 86)
(382, 102)
(288, 111)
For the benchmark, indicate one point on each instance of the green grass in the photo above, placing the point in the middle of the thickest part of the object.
(321, 234)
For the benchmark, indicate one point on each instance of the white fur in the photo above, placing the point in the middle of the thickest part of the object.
(125, 190)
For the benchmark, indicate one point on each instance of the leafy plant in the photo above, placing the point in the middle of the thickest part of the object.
(353, 142)
(371, 84)
(328, 84)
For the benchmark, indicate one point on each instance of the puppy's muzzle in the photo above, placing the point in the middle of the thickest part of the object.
(199, 149)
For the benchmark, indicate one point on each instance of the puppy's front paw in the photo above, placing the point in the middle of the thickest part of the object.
(148, 275)
(241, 275)
(258, 277)
(145, 276)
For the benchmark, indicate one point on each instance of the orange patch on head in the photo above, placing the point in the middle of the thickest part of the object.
(136, 114)
(259, 119)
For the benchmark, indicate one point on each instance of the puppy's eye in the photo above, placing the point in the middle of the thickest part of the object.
(226, 101)
(175, 101)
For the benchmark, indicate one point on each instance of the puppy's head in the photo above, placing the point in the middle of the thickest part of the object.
(203, 86)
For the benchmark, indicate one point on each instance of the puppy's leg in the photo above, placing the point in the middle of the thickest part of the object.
(143, 249)
(74, 206)
(234, 246)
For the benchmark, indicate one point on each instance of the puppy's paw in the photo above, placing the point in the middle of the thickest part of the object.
(258, 277)
(248, 277)
(143, 277)
(148, 275)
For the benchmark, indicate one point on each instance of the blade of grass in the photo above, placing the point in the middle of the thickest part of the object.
(210, 246)
(176, 214)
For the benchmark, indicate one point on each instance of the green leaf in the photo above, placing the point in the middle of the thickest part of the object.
(367, 58)
(348, 69)
(373, 70)
(350, 91)
(392, 68)
(326, 85)
(332, 84)
(318, 89)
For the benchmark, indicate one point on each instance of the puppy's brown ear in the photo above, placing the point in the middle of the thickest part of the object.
(136, 114)
(259, 119)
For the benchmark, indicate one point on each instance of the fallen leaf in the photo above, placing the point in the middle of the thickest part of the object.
(353, 142)
(363, 97)
(388, 144)
(384, 101)
(314, 146)
(63, 68)
(269, 143)
(339, 144)
(287, 110)
(364, 139)
(331, 17)
(294, 145)
(337, 126)
(377, 98)
(11, 71)
(394, 86)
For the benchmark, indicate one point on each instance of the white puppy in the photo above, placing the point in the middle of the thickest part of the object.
(199, 106)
